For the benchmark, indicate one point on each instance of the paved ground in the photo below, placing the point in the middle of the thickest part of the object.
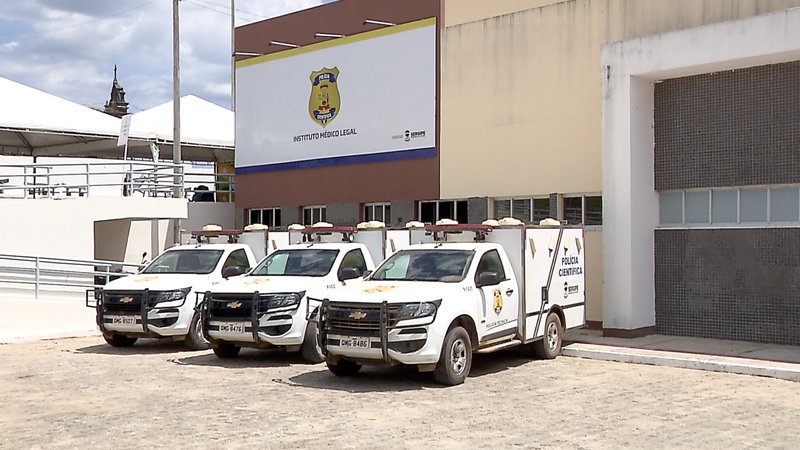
(80, 393)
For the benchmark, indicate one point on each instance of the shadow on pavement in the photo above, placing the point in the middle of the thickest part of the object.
(402, 378)
(248, 358)
(369, 379)
(141, 347)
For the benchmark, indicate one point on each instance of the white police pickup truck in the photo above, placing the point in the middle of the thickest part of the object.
(475, 289)
(160, 301)
(269, 307)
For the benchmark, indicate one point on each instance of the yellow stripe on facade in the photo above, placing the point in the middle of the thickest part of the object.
(337, 41)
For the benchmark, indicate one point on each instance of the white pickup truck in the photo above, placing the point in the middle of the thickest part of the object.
(160, 301)
(475, 289)
(269, 307)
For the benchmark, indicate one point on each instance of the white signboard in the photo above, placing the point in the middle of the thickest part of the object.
(124, 130)
(362, 98)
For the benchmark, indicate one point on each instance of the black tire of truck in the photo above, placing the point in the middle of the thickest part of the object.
(310, 349)
(118, 340)
(550, 345)
(226, 351)
(194, 338)
(455, 360)
(344, 368)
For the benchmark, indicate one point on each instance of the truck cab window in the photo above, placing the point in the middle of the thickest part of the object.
(236, 258)
(355, 259)
(490, 262)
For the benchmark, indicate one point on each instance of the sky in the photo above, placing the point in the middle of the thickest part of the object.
(69, 48)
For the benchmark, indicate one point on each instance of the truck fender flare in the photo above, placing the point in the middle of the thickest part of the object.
(466, 322)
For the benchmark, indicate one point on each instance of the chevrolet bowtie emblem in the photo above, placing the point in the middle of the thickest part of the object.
(358, 315)
(126, 299)
(233, 305)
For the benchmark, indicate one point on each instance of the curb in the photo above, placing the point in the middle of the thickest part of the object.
(743, 366)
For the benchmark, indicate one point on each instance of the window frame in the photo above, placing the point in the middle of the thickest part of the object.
(276, 216)
(321, 209)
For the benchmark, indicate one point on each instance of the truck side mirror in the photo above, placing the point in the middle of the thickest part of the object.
(488, 279)
(232, 271)
(349, 273)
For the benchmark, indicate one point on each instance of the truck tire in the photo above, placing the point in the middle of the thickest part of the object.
(226, 351)
(194, 338)
(118, 340)
(455, 360)
(310, 349)
(550, 345)
(344, 368)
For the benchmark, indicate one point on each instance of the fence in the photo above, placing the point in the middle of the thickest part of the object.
(84, 179)
(114, 179)
(44, 271)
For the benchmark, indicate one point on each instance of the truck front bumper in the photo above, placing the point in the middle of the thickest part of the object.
(247, 320)
(131, 313)
(382, 343)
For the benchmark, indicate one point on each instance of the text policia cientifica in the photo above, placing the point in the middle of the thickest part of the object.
(324, 135)
(567, 271)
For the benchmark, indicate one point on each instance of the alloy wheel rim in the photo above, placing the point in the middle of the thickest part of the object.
(459, 356)
(552, 336)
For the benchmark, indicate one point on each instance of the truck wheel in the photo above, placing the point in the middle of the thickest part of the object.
(310, 349)
(225, 350)
(550, 345)
(455, 360)
(194, 338)
(344, 368)
(118, 340)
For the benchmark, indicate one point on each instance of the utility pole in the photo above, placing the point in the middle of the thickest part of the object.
(176, 117)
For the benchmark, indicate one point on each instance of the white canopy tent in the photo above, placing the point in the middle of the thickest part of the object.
(35, 123)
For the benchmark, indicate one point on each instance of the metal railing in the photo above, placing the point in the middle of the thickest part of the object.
(209, 187)
(128, 178)
(45, 271)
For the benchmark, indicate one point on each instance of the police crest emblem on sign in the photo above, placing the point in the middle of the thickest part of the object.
(324, 103)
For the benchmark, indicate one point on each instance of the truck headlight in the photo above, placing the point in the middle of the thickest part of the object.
(284, 301)
(170, 296)
(417, 310)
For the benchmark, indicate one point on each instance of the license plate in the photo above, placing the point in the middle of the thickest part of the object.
(123, 320)
(356, 342)
(231, 327)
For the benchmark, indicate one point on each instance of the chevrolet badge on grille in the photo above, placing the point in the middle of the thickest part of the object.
(126, 299)
(358, 315)
(234, 305)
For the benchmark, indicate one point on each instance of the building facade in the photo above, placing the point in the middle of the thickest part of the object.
(523, 122)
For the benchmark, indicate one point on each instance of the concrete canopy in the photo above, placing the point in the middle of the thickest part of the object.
(35, 123)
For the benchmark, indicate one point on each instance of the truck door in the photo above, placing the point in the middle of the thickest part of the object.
(500, 302)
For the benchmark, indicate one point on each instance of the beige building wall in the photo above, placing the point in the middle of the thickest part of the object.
(521, 94)
(462, 11)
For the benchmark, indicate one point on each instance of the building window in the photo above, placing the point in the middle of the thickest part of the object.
(270, 217)
(433, 210)
(730, 206)
(378, 211)
(584, 209)
(313, 214)
(524, 209)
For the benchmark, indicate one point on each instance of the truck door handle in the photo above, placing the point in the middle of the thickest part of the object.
(509, 291)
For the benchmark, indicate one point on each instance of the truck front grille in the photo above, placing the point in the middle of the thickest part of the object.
(358, 319)
(237, 306)
(122, 301)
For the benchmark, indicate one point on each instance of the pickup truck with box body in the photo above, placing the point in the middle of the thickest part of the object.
(269, 308)
(160, 301)
(475, 289)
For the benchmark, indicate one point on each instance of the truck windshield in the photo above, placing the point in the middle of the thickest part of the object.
(197, 261)
(449, 266)
(309, 262)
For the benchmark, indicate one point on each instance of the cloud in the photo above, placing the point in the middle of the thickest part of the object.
(69, 47)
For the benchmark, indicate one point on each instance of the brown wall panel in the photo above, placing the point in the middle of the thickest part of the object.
(340, 17)
(414, 179)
